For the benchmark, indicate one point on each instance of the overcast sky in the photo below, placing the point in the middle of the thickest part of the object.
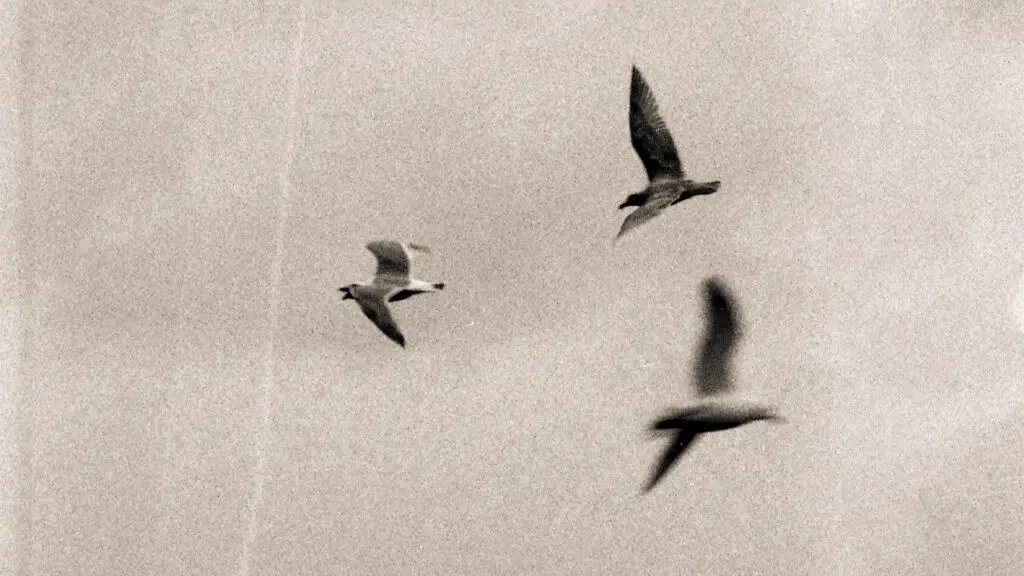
(190, 183)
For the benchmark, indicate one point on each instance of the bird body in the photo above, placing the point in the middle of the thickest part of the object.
(680, 189)
(652, 141)
(391, 283)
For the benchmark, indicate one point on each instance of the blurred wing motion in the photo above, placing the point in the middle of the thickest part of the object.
(651, 138)
(682, 440)
(712, 373)
(379, 314)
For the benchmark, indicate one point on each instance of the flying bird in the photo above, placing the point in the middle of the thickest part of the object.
(391, 283)
(712, 377)
(667, 183)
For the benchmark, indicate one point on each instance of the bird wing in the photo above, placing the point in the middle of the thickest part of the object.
(654, 205)
(379, 314)
(651, 138)
(711, 375)
(677, 419)
(393, 258)
(682, 440)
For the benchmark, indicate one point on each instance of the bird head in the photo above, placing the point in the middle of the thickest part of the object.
(347, 291)
(636, 199)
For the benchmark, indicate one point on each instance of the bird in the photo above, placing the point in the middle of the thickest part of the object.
(712, 377)
(652, 141)
(391, 283)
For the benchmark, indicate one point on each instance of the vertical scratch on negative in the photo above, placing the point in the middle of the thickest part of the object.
(262, 432)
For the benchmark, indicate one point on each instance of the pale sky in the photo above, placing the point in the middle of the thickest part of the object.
(186, 393)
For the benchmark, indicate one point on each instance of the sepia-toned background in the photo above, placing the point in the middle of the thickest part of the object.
(186, 184)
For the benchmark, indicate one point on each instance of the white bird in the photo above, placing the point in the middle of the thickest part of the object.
(391, 283)
(667, 183)
(712, 376)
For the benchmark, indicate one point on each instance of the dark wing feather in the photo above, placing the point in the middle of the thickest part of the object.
(402, 295)
(713, 366)
(682, 440)
(379, 314)
(651, 138)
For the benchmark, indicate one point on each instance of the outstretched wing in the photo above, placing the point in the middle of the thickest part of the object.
(712, 371)
(651, 138)
(682, 440)
(654, 205)
(393, 258)
(379, 314)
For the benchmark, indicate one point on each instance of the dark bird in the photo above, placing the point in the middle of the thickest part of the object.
(712, 376)
(667, 183)
(391, 283)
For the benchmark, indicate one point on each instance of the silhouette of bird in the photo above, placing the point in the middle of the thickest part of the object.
(712, 377)
(667, 183)
(391, 283)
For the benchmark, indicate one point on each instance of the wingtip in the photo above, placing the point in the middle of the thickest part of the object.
(715, 286)
(636, 77)
(397, 338)
(646, 488)
(622, 232)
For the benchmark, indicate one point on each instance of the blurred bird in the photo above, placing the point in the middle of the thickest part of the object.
(653, 144)
(712, 377)
(391, 283)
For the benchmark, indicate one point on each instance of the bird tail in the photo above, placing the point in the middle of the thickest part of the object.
(706, 188)
(438, 285)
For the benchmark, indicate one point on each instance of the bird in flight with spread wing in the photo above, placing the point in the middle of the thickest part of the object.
(712, 377)
(667, 183)
(391, 283)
